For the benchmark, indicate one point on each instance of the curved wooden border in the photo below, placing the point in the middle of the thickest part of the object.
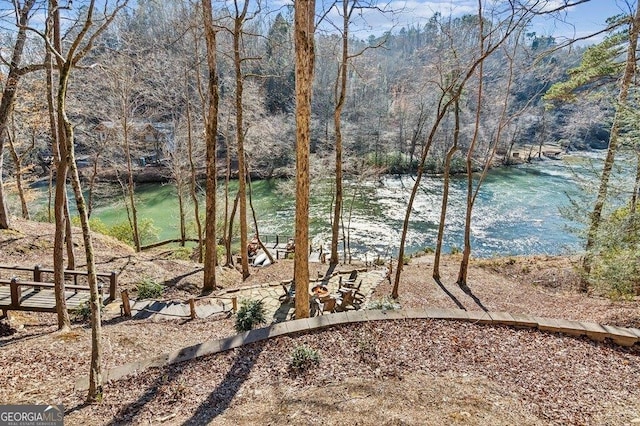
(597, 332)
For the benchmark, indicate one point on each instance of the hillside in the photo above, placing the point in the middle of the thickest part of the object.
(397, 372)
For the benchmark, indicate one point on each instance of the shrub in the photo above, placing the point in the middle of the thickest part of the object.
(149, 289)
(250, 314)
(386, 304)
(95, 224)
(367, 350)
(379, 261)
(42, 215)
(82, 312)
(304, 358)
(123, 231)
(182, 253)
(615, 267)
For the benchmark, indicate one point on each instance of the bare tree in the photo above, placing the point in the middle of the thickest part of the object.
(28, 125)
(451, 89)
(340, 93)
(445, 189)
(239, 19)
(16, 71)
(304, 29)
(90, 29)
(211, 120)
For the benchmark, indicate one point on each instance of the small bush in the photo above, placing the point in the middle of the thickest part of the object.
(123, 231)
(379, 261)
(385, 304)
(149, 289)
(455, 250)
(367, 350)
(95, 224)
(43, 215)
(82, 312)
(250, 314)
(429, 250)
(182, 253)
(304, 358)
(406, 260)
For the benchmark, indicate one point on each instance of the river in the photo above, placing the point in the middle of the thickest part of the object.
(516, 212)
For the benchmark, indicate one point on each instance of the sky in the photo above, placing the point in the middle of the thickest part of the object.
(576, 21)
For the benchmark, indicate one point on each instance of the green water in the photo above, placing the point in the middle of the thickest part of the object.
(516, 213)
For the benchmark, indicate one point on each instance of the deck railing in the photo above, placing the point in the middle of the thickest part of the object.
(37, 272)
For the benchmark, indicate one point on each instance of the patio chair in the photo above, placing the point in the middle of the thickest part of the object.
(326, 304)
(355, 290)
(289, 294)
(351, 280)
(347, 300)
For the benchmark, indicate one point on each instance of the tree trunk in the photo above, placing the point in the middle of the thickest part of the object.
(60, 204)
(466, 251)
(340, 94)
(242, 182)
(9, 95)
(95, 372)
(66, 130)
(210, 257)
(445, 190)
(596, 214)
(17, 160)
(68, 231)
(232, 217)
(228, 217)
(416, 185)
(304, 28)
(131, 187)
(636, 188)
(193, 182)
(181, 211)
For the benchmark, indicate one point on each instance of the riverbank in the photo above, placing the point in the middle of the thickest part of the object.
(491, 375)
(162, 173)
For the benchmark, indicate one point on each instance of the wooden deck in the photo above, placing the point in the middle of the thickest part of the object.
(22, 294)
(40, 301)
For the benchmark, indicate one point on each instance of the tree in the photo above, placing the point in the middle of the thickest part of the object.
(28, 125)
(278, 69)
(340, 93)
(237, 33)
(211, 122)
(445, 190)
(78, 48)
(16, 71)
(599, 63)
(304, 29)
(451, 89)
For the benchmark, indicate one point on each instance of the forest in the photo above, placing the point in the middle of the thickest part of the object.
(199, 95)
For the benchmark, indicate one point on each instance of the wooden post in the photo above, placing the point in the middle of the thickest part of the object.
(234, 303)
(125, 303)
(15, 292)
(37, 276)
(113, 286)
(3, 314)
(37, 273)
(192, 307)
